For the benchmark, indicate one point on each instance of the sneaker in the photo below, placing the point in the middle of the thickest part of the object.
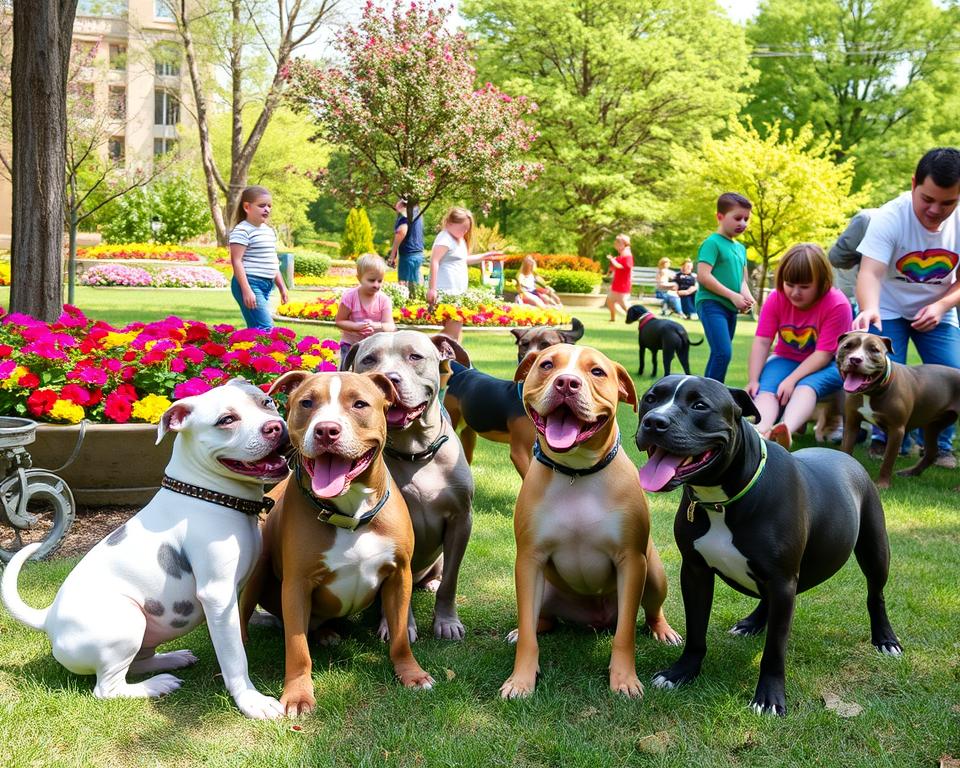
(877, 449)
(780, 434)
(946, 460)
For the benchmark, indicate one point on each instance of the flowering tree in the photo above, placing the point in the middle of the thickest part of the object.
(405, 110)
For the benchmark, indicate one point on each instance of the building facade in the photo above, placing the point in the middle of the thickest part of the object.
(134, 75)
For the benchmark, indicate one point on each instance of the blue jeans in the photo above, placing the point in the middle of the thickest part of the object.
(669, 301)
(719, 325)
(940, 346)
(259, 316)
(824, 382)
(688, 304)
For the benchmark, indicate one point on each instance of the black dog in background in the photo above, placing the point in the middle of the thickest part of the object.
(658, 334)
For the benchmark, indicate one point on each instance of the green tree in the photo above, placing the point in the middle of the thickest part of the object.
(618, 84)
(357, 234)
(882, 76)
(799, 193)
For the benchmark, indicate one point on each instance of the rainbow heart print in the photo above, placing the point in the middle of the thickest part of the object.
(929, 266)
(802, 338)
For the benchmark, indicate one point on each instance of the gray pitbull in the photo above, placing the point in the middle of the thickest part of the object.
(427, 462)
(895, 397)
(769, 522)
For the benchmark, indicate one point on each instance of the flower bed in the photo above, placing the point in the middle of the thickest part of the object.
(554, 261)
(139, 251)
(4, 273)
(491, 314)
(166, 277)
(78, 368)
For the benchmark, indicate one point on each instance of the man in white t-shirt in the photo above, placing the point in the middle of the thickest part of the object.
(907, 288)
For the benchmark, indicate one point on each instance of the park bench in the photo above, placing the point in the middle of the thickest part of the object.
(645, 278)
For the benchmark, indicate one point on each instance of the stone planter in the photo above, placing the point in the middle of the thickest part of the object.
(115, 463)
(582, 299)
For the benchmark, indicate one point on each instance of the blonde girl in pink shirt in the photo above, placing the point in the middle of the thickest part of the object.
(366, 309)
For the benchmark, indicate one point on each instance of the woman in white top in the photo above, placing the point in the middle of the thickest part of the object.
(449, 259)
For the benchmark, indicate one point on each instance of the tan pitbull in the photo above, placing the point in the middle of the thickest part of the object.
(895, 397)
(340, 531)
(584, 551)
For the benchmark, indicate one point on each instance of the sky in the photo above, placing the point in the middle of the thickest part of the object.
(740, 10)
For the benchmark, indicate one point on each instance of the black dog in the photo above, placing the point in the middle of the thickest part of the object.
(655, 334)
(770, 523)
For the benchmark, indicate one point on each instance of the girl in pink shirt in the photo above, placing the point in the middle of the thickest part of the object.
(806, 315)
(366, 309)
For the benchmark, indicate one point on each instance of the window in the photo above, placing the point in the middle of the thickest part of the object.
(167, 61)
(118, 57)
(116, 148)
(117, 103)
(166, 108)
(161, 10)
(162, 146)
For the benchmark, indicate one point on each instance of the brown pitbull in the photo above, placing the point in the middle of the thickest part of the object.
(538, 339)
(895, 397)
(584, 551)
(340, 531)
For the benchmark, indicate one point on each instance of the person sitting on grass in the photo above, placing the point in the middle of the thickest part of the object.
(531, 288)
(807, 316)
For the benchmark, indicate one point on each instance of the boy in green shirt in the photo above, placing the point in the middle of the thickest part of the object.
(722, 275)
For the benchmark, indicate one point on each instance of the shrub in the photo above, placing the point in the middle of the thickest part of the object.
(556, 261)
(357, 234)
(181, 210)
(569, 281)
(310, 262)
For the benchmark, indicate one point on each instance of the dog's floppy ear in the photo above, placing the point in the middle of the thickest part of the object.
(518, 333)
(525, 365)
(887, 342)
(634, 313)
(748, 408)
(574, 334)
(384, 385)
(626, 387)
(450, 350)
(351, 356)
(174, 418)
(288, 382)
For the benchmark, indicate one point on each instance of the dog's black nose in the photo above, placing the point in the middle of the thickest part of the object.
(655, 422)
(854, 360)
(567, 384)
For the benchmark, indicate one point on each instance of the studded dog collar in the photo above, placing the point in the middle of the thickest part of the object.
(247, 506)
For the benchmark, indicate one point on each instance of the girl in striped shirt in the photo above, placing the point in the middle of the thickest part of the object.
(253, 254)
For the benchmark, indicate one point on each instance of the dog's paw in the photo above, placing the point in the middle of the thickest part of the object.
(448, 628)
(889, 648)
(627, 684)
(662, 632)
(297, 699)
(255, 705)
(160, 685)
(518, 687)
(746, 628)
(512, 636)
(430, 586)
(383, 631)
(326, 637)
(674, 676)
(415, 677)
(882, 485)
(770, 698)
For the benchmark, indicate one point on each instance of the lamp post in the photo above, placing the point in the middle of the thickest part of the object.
(155, 225)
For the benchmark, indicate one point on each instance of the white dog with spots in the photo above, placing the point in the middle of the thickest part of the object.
(179, 560)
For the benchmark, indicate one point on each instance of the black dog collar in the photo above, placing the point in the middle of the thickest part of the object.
(573, 474)
(328, 513)
(247, 506)
(425, 455)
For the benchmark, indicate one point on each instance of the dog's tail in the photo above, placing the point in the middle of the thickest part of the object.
(696, 343)
(22, 612)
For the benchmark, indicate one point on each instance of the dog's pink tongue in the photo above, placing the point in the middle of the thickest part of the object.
(659, 469)
(853, 381)
(329, 476)
(396, 417)
(562, 429)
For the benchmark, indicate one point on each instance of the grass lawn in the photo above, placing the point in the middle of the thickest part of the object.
(911, 706)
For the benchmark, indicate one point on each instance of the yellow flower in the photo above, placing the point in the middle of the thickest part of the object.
(241, 345)
(65, 410)
(112, 339)
(310, 362)
(15, 375)
(150, 408)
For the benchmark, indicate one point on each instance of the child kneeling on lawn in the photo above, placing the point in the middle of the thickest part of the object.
(807, 316)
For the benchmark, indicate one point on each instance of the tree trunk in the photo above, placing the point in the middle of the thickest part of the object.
(41, 55)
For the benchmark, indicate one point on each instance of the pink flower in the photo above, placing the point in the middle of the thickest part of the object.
(213, 374)
(191, 387)
(177, 365)
(95, 376)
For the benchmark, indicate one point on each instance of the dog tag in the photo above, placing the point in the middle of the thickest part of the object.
(690, 510)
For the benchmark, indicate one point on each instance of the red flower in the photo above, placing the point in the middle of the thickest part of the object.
(127, 391)
(128, 372)
(75, 394)
(197, 332)
(29, 380)
(41, 401)
(5, 350)
(129, 356)
(117, 408)
(213, 349)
